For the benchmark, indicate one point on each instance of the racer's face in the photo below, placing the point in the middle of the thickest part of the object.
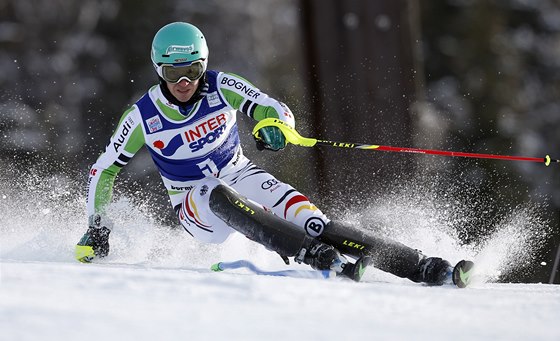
(182, 90)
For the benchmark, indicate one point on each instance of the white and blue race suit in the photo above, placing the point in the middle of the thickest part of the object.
(197, 147)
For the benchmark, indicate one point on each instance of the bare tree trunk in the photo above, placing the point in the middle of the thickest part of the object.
(361, 76)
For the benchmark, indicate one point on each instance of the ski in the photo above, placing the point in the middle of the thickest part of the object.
(245, 264)
(460, 275)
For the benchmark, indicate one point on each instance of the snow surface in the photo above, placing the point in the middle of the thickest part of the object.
(156, 283)
(65, 301)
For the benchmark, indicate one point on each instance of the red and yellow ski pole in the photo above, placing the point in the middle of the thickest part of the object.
(293, 137)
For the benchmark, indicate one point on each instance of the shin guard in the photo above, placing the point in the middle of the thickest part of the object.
(387, 255)
(258, 224)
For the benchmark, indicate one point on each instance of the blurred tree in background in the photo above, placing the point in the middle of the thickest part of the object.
(465, 75)
(492, 72)
(70, 69)
(492, 84)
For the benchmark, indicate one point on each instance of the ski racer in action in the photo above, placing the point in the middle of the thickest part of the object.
(187, 122)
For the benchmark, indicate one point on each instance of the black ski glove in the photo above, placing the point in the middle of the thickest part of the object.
(95, 242)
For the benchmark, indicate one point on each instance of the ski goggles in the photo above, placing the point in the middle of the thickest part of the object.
(174, 73)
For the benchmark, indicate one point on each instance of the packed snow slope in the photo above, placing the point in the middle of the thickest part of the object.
(156, 283)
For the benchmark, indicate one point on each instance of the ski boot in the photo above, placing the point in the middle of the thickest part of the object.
(437, 271)
(434, 271)
(325, 257)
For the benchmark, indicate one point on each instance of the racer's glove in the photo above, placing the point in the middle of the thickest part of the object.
(270, 138)
(95, 242)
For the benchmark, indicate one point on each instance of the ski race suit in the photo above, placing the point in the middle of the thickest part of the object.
(196, 148)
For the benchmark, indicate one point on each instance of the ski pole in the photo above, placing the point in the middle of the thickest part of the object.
(293, 137)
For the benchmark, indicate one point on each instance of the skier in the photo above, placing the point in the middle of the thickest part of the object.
(188, 124)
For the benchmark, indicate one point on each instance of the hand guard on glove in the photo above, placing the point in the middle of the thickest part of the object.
(270, 138)
(95, 242)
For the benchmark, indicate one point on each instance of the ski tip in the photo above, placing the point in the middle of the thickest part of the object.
(462, 273)
(357, 270)
(363, 263)
(216, 267)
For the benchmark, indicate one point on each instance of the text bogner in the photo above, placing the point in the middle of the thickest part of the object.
(249, 91)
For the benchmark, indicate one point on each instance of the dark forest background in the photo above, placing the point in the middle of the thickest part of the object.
(464, 75)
